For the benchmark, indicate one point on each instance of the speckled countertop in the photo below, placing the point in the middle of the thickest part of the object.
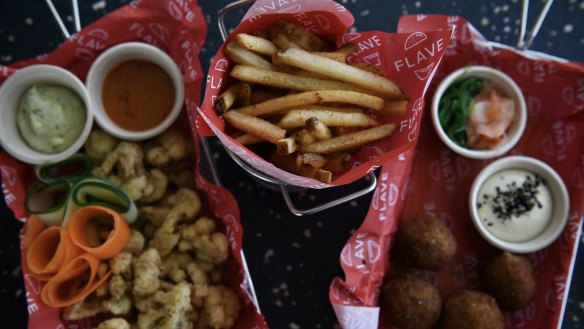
(291, 259)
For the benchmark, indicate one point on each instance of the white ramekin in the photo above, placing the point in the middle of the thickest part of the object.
(558, 191)
(10, 94)
(505, 84)
(117, 55)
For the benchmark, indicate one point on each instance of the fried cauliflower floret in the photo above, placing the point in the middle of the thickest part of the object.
(125, 167)
(122, 264)
(185, 201)
(174, 266)
(99, 144)
(115, 323)
(117, 286)
(155, 215)
(136, 244)
(169, 310)
(88, 308)
(170, 145)
(221, 308)
(146, 273)
(209, 245)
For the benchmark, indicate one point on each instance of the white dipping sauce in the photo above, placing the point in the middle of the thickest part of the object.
(514, 205)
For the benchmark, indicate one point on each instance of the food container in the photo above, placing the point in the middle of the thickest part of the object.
(433, 180)
(504, 84)
(181, 37)
(10, 95)
(559, 195)
(121, 53)
(331, 21)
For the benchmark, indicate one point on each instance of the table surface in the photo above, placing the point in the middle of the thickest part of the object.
(291, 266)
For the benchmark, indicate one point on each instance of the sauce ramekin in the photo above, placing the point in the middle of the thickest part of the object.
(10, 94)
(558, 191)
(117, 55)
(502, 82)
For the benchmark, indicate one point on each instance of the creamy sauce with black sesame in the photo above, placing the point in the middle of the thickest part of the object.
(515, 205)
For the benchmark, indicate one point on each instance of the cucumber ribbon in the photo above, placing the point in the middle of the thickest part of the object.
(72, 169)
(54, 202)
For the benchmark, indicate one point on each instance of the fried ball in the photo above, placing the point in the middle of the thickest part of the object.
(412, 303)
(509, 278)
(471, 309)
(424, 242)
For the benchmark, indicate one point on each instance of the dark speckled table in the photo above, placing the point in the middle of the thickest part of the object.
(292, 260)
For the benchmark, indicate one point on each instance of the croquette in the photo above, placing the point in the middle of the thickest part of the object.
(424, 242)
(509, 278)
(467, 309)
(411, 303)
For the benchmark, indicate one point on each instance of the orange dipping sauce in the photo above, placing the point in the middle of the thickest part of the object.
(137, 95)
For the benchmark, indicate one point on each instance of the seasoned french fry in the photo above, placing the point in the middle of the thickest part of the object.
(256, 44)
(244, 98)
(286, 146)
(337, 57)
(314, 160)
(243, 56)
(331, 108)
(324, 176)
(368, 67)
(303, 137)
(248, 139)
(261, 34)
(288, 81)
(226, 99)
(297, 118)
(288, 163)
(348, 141)
(348, 49)
(280, 39)
(258, 96)
(344, 130)
(313, 97)
(344, 72)
(395, 107)
(302, 36)
(318, 129)
(337, 162)
(255, 126)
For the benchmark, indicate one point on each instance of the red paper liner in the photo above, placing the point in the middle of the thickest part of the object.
(436, 181)
(179, 29)
(409, 59)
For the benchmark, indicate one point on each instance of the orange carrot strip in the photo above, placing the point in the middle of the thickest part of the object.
(79, 227)
(49, 252)
(75, 281)
(33, 229)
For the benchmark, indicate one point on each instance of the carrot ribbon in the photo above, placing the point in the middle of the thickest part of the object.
(68, 258)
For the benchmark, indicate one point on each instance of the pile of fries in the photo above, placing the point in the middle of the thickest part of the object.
(297, 92)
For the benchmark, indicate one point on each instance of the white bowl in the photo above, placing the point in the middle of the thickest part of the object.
(117, 55)
(506, 85)
(559, 196)
(10, 94)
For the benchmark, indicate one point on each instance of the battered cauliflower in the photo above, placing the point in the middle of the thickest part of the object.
(209, 245)
(87, 308)
(168, 310)
(115, 323)
(99, 144)
(122, 264)
(125, 167)
(170, 145)
(146, 273)
(221, 308)
(136, 244)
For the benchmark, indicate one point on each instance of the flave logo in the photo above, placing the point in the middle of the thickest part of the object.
(90, 43)
(8, 175)
(152, 33)
(279, 6)
(419, 55)
(411, 124)
(362, 252)
(315, 23)
(556, 144)
(181, 9)
(574, 95)
(447, 169)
